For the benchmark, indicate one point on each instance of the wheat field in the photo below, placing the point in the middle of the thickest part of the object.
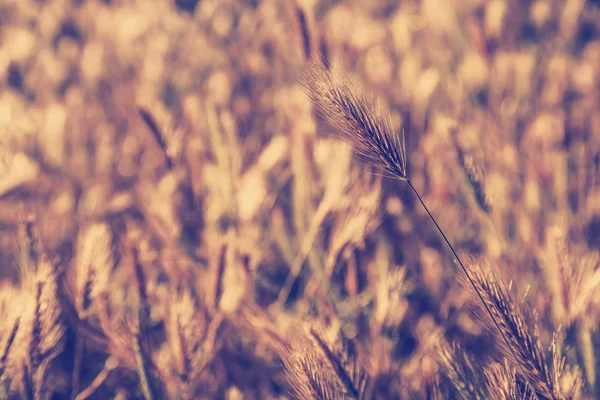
(299, 199)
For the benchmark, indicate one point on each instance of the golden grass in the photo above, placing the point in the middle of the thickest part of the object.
(179, 219)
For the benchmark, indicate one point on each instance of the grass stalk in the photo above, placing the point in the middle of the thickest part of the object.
(359, 121)
(471, 282)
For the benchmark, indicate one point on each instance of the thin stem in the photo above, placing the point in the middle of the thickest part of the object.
(470, 279)
(77, 359)
(110, 364)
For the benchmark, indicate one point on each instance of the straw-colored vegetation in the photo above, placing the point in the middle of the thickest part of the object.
(181, 215)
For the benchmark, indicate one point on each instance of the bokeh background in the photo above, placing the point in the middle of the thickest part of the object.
(170, 205)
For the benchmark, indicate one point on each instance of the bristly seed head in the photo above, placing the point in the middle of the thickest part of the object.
(357, 119)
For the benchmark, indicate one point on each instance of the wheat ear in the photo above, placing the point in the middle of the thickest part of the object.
(359, 122)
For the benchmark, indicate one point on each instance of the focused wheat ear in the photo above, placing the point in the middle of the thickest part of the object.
(359, 122)
(357, 119)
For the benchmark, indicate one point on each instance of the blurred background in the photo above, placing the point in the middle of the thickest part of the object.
(170, 204)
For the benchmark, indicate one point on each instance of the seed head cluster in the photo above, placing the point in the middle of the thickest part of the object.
(356, 119)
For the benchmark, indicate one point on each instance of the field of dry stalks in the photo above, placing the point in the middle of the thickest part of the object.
(179, 221)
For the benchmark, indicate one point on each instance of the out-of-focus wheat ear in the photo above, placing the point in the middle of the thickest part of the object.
(10, 314)
(189, 352)
(138, 275)
(39, 339)
(356, 118)
(307, 371)
(139, 323)
(474, 172)
(587, 353)
(568, 380)
(502, 382)
(94, 262)
(187, 207)
(518, 326)
(344, 363)
(462, 379)
(570, 278)
(227, 151)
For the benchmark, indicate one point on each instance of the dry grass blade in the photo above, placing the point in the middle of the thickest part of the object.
(304, 28)
(156, 134)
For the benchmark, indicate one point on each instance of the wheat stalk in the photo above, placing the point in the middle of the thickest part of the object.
(359, 122)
